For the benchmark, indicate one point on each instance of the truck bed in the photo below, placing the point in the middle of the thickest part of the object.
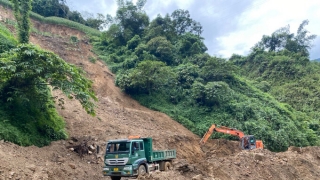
(159, 155)
(163, 155)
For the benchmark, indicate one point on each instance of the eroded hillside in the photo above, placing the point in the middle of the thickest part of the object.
(119, 116)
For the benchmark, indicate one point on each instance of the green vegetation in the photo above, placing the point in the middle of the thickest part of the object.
(21, 12)
(49, 10)
(24, 124)
(67, 23)
(28, 115)
(58, 21)
(58, 8)
(273, 93)
(27, 70)
(164, 66)
(283, 39)
(7, 39)
(74, 39)
(92, 59)
(23, 120)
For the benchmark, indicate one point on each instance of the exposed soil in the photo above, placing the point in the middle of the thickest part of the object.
(119, 116)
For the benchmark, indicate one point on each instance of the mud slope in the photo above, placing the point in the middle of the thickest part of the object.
(119, 116)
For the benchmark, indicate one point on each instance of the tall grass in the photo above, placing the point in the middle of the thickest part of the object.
(7, 39)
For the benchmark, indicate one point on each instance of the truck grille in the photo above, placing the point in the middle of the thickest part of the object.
(122, 161)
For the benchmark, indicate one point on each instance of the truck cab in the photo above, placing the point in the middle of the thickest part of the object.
(133, 157)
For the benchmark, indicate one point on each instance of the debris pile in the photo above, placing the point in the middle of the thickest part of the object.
(83, 146)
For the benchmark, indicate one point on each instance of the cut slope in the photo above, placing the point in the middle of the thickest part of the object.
(119, 116)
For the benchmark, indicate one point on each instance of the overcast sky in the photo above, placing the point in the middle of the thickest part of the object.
(230, 26)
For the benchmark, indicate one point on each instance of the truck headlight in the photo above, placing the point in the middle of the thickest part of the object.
(127, 168)
(106, 169)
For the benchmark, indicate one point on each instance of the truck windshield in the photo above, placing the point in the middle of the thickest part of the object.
(118, 147)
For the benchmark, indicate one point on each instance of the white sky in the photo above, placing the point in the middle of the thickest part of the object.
(230, 26)
(266, 16)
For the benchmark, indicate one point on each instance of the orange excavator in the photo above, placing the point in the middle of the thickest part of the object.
(246, 141)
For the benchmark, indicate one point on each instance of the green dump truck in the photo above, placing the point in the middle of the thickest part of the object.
(134, 157)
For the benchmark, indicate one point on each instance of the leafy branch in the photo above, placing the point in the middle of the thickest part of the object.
(28, 68)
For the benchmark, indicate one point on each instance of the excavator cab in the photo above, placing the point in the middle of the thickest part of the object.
(248, 142)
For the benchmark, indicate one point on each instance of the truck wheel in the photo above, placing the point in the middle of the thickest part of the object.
(162, 166)
(115, 177)
(168, 166)
(142, 170)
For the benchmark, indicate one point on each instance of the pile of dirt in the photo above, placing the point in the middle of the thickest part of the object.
(119, 116)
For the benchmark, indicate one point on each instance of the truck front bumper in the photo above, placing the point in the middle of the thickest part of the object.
(123, 171)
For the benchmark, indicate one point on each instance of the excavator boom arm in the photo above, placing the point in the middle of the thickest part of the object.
(208, 134)
(230, 131)
(221, 129)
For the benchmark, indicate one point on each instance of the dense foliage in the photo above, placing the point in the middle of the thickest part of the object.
(22, 13)
(162, 63)
(27, 72)
(24, 119)
(58, 8)
(7, 40)
(27, 77)
(283, 39)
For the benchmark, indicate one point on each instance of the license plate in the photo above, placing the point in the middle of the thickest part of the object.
(115, 169)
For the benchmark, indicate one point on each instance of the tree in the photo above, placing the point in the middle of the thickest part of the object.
(190, 44)
(114, 35)
(302, 42)
(282, 39)
(182, 23)
(29, 70)
(134, 42)
(48, 8)
(161, 48)
(161, 26)
(148, 76)
(96, 23)
(213, 93)
(277, 41)
(22, 12)
(131, 18)
(76, 17)
(217, 69)
(186, 74)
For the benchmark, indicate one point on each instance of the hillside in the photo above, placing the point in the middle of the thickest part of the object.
(318, 60)
(162, 63)
(118, 116)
